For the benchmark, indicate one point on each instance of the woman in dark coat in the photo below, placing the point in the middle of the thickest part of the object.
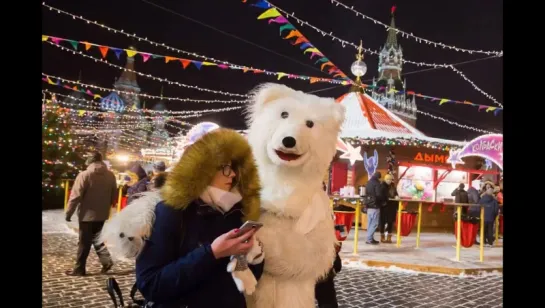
(212, 190)
(388, 212)
(140, 186)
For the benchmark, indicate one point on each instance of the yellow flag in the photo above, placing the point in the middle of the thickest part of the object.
(270, 13)
(208, 63)
(280, 75)
(81, 112)
(442, 101)
(50, 81)
(491, 109)
(311, 50)
(44, 37)
(130, 53)
(97, 96)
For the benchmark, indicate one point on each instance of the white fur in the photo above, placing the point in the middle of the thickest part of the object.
(134, 222)
(244, 280)
(298, 233)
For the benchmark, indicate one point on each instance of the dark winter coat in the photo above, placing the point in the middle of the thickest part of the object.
(460, 196)
(491, 208)
(176, 266)
(375, 193)
(140, 186)
(93, 194)
(473, 195)
(391, 193)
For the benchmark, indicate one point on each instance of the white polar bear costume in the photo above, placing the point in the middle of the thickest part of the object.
(293, 137)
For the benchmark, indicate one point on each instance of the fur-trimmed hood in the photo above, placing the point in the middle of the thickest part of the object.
(200, 162)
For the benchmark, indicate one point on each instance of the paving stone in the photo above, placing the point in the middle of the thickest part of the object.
(356, 287)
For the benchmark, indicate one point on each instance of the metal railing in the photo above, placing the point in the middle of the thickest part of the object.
(458, 206)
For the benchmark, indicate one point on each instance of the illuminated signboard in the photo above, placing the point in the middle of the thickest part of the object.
(431, 158)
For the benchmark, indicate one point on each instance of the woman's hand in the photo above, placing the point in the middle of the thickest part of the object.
(228, 244)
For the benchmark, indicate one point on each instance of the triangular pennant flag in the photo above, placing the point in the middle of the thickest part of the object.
(66, 86)
(97, 96)
(87, 45)
(245, 69)
(481, 107)
(491, 109)
(117, 52)
(131, 53)
(44, 37)
(314, 79)
(319, 54)
(185, 62)
(103, 50)
(279, 20)
(410, 92)
(305, 46)
(197, 64)
(50, 81)
(223, 66)
(280, 75)
(326, 64)
(286, 27)
(55, 40)
(256, 71)
(75, 88)
(300, 40)
(81, 112)
(89, 92)
(324, 59)
(156, 56)
(270, 13)
(497, 111)
(443, 100)
(145, 56)
(293, 33)
(74, 44)
(311, 50)
(168, 59)
(262, 4)
(208, 63)
(468, 103)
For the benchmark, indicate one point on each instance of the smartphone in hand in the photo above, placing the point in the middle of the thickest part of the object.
(249, 225)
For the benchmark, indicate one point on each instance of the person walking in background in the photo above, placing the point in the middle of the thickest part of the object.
(158, 170)
(140, 186)
(93, 194)
(375, 199)
(388, 212)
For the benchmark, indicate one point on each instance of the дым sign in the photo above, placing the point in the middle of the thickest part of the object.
(431, 158)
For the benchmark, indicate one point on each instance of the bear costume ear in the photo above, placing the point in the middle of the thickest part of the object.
(266, 93)
(338, 112)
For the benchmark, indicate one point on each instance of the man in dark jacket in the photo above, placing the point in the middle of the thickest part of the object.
(491, 210)
(460, 195)
(375, 199)
(93, 194)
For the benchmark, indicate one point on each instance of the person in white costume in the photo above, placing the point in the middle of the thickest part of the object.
(293, 137)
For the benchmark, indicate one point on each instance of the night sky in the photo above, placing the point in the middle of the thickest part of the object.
(465, 23)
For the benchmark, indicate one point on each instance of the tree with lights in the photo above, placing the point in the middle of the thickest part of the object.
(62, 156)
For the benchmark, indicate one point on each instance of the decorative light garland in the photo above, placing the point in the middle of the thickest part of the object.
(454, 123)
(415, 142)
(416, 38)
(374, 52)
(185, 62)
(47, 78)
(89, 104)
(148, 75)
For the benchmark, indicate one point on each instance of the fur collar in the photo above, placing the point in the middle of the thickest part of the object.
(200, 162)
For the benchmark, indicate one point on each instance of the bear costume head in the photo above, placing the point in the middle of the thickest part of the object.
(292, 134)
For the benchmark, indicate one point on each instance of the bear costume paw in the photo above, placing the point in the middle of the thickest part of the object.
(244, 279)
(256, 254)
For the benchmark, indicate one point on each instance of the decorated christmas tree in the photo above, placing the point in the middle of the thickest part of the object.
(62, 155)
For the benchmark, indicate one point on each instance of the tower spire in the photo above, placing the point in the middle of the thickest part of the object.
(128, 77)
(391, 41)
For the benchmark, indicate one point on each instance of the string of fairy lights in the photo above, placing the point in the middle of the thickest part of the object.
(414, 37)
(129, 139)
(300, 21)
(164, 80)
(344, 43)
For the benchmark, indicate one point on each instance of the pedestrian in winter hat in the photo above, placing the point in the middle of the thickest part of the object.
(159, 166)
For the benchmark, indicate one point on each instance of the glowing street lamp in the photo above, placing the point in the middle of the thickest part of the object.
(359, 68)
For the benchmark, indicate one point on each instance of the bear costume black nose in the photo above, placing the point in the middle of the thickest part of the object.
(289, 142)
